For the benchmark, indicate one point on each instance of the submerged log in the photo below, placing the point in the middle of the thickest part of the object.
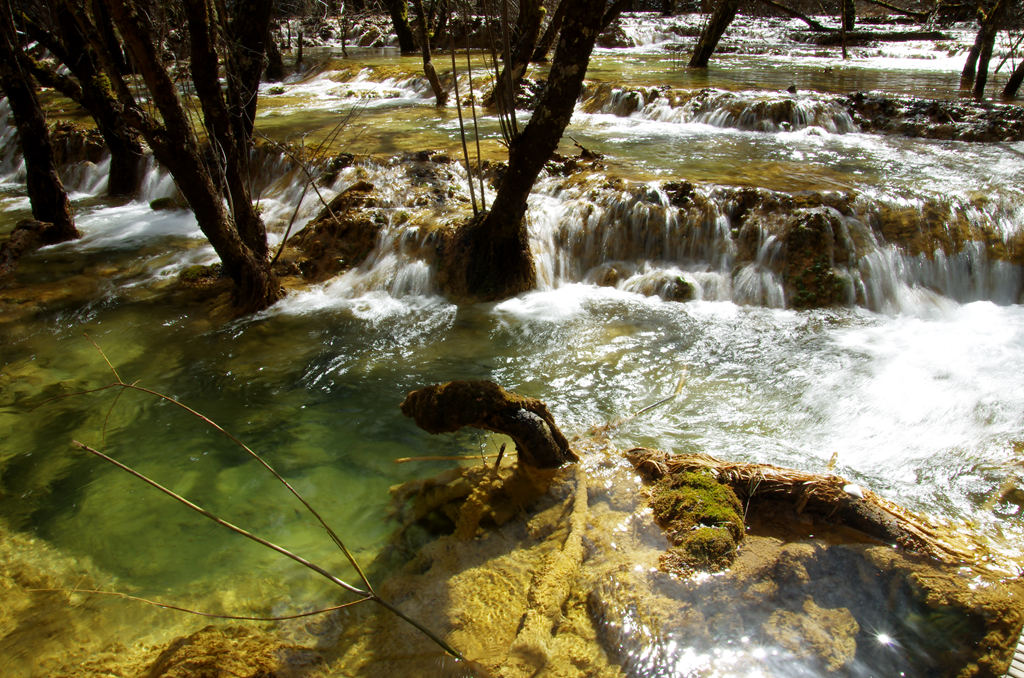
(28, 236)
(445, 408)
(829, 498)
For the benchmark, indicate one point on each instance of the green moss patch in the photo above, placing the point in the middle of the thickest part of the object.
(703, 519)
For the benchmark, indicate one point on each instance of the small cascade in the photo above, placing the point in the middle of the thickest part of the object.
(156, 182)
(12, 165)
(757, 283)
(748, 111)
(336, 84)
(641, 30)
(86, 178)
(680, 242)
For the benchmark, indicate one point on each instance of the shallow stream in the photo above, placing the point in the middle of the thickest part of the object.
(918, 398)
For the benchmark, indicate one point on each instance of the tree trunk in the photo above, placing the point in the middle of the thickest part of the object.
(550, 33)
(175, 145)
(66, 41)
(440, 94)
(228, 126)
(989, 25)
(531, 14)
(275, 62)
(1013, 84)
(725, 12)
(981, 79)
(849, 13)
(248, 30)
(399, 11)
(813, 24)
(45, 189)
(446, 408)
(490, 258)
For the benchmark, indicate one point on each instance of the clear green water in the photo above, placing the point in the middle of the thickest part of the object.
(922, 407)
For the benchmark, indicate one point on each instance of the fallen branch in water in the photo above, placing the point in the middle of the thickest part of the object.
(200, 613)
(829, 497)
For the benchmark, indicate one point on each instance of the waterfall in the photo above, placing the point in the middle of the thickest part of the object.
(12, 165)
(750, 110)
(680, 241)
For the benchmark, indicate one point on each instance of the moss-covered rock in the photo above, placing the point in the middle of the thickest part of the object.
(702, 518)
(76, 143)
(341, 236)
(445, 408)
(175, 202)
(201, 276)
(809, 272)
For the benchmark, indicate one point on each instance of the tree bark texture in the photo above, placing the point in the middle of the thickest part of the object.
(489, 258)
(275, 62)
(228, 129)
(547, 40)
(991, 24)
(987, 30)
(45, 190)
(531, 14)
(849, 13)
(1013, 84)
(725, 12)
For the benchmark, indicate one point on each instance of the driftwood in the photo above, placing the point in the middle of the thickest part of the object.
(445, 408)
(920, 17)
(828, 497)
(861, 38)
(28, 236)
(812, 23)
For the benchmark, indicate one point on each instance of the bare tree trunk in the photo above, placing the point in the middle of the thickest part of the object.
(64, 39)
(399, 11)
(176, 146)
(974, 67)
(428, 65)
(725, 12)
(246, 33)
(1013, 84)
(489, 258)
(813, 24)
(991, 24)
(229, 131)
(275, 62)
(530, 16)
(849, 12)
(45, 190)
(550, 33)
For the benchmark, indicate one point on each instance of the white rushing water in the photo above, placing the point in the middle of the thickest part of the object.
(911, 384)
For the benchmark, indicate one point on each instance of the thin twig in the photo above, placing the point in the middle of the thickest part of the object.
(200, 613)
(217, 427)
(476, 126)
(462, 132)
(454, 457)
(274, 547)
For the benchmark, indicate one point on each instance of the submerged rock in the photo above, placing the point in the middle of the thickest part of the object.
(574, 588)
(934, 119)
(702, 519)
(340, 237)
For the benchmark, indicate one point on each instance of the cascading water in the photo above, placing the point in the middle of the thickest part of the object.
(905, 383)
